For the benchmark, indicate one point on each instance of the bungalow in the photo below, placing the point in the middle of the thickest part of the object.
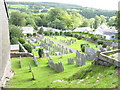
(14, 48)
(84, 29)
(105, 32)
(27, 30)
(49, 29)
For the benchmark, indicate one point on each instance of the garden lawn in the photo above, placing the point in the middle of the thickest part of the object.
(87, 76)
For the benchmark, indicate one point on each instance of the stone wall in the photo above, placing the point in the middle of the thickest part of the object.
(22, 54)
(104, 57)
(5, 65)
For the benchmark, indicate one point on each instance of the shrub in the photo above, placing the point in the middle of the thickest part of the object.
(56, 33)
(28, 34)
(94, 38)
(28, 47)
(76, 35)
(22, 40)
(104, 45)
(100, 42)
(40, 52)
(14, 40)
(34, 34)
(83, 47)
(79, 37)
(41, 30)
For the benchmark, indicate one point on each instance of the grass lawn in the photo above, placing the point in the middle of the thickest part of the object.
(87, 76)
(75, 45)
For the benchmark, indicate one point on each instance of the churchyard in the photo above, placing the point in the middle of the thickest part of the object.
(73, 76)
(63, 65)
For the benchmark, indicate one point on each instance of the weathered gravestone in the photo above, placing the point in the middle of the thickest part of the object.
(20, 62)
(35, 61)
(58, 67)
(70, 61)
(80, 59)
(51, 63)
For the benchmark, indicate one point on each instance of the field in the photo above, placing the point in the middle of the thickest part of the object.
(87, 76)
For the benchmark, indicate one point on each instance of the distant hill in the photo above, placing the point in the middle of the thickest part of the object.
(43, 7)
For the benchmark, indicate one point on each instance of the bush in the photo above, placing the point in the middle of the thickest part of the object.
(100, 42)
(79, 37)
(46, 33)
(56, 33)
(34, 34)
(94, 38)
(83, 47)
(41, 30)
(22, 40)
(40, 52)
(14, 40)
(28, 34)
(76, 35)
(28, 47)
(104, 45)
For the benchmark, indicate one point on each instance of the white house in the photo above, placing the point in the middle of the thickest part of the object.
(105, 32)
(84, 29)
(27, 30)
(14, 48)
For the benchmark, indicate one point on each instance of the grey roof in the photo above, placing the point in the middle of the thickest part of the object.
(85, 29)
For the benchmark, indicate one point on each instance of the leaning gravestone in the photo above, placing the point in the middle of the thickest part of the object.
(20, 62)
(51, 63)
(58, 67)
(35, 61)
(70, 61)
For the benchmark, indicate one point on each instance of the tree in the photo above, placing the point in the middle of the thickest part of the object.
(28, 47)
(103, 19)
(96, 22)
(112, 21)
(15, 34)
(40, 52)
(41, 30)
(17, 19)
(22, 40)
(85, 23)
(57, 24)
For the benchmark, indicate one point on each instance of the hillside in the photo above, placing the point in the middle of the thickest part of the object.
(44, 7)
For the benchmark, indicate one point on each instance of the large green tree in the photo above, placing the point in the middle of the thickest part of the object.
(17, 19)
(97, 22)
(15, 34)
(112, 21)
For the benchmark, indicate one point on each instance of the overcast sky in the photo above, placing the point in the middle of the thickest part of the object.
(100, 4)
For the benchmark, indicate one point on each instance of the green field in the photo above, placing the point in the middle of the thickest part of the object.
(19, 6)
(87, 76)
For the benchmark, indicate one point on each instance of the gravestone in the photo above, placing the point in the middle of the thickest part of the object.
(58, 67)
(35, 61)
(70, 61)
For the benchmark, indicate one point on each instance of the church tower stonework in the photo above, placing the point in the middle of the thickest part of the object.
(5, 64)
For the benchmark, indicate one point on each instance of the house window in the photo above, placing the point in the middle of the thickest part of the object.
(113, 36)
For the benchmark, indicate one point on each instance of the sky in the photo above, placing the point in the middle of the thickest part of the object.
(99, 4)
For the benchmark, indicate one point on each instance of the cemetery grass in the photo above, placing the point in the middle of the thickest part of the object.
(75, 45)
(91, 76)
